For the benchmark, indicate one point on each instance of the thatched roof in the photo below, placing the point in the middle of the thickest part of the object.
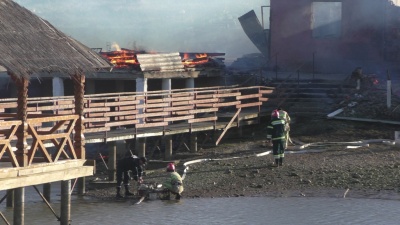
(30, 44)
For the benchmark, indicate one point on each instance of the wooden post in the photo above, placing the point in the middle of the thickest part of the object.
(193, 142)
(168, 147)
(10, 198)
(47, 191)
(21, 152)
(19, 211)
(65, 215)
(141, 146)
(79, 138)
(112, 161)
(389, 92)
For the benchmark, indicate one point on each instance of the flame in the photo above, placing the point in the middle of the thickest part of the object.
(196, 59)
(201, 55)
(121, 58)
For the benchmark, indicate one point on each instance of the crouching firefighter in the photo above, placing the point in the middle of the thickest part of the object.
(173, 183)
(276, 133)
(124, 165)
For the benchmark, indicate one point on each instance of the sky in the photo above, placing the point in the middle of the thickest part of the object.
(154, 25)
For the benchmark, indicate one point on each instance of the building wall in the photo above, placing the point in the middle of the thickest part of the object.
(359, 44)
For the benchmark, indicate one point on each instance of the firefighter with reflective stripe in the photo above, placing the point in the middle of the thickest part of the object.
(173, 183)
(285, 116)
(124, 165)
(276, 133)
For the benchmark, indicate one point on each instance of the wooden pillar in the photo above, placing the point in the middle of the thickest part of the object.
(141, 146)
(168, 147)
(65, 215)
(47, 191)
(10, 198)
(79, 138)
(19, 211)
(193, 142)
(112, 161)
(21, 153)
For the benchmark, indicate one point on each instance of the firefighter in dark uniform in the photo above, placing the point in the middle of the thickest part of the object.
(124, 165)
(276, 133)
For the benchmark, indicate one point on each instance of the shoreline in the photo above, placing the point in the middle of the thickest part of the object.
(368, 171)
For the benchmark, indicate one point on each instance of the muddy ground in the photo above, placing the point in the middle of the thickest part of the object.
(329, 167)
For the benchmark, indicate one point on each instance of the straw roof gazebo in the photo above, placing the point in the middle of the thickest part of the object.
(30, 45)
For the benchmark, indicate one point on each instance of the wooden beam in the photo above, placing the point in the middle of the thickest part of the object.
(11, 178)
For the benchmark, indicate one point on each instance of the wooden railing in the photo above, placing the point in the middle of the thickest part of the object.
(51, 119)
(44, 131)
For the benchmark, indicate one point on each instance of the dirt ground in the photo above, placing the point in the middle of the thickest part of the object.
(325, 161)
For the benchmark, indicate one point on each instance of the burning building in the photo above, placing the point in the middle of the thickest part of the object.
(334, 36)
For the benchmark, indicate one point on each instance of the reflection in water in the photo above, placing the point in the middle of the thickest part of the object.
(242, 210)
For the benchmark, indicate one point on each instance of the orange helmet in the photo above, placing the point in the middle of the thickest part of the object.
(171, 167)
(275, 114)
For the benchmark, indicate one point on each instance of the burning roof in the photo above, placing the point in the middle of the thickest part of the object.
(126, 59)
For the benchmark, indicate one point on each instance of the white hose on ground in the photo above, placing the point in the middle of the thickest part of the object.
(350, 145)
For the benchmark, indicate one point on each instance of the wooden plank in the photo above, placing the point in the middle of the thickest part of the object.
(95, 104)
(263, 99)
(195, 111)
(263, 91)
(226, 95)
(121, 123)
(179, 108)
(203, 96)
(143, 125)
(224, 104)
(96, 119)
(121, 113)
(210, 100)
(129, 107)
(178, 99)
(104, 109)
(198, 120)
(178, 118)
(166, 104)
(248, 105)
(144, 115)
(47, 177)
(120, 103)
(94, 114)
(180, 103)
(248, 96)
(96, 129)
(179, 113)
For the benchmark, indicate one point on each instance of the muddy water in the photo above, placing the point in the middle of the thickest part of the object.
(242, 210)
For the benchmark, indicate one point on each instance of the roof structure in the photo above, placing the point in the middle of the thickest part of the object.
(30, 44)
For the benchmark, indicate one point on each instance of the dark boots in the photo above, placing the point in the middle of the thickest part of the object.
(119, 193)
(281, 161)
(127, 192)
(276, 162)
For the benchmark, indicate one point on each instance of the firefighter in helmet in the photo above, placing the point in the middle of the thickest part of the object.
(276, 134)
(285, 116)
(173, 183)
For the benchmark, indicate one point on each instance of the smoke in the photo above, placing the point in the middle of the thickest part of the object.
(157, 25)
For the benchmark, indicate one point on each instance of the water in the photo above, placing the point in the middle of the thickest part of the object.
(242, 210)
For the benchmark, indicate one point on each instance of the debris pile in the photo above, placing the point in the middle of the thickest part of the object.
(370, 104)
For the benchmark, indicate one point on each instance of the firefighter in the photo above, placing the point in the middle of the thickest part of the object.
(357, 76)
(173, 183)
(276, 134)
(285, 116)
(124, 165)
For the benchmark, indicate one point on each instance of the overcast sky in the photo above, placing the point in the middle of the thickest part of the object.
(153, 25)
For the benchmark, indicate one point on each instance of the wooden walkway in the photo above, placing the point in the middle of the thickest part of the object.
(122, 116)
